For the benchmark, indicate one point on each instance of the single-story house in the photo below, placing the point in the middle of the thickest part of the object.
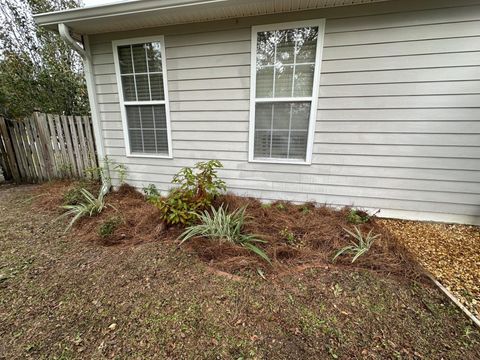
(370, 103)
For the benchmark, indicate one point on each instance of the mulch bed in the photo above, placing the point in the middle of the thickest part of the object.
(450, 252)
(318, 232)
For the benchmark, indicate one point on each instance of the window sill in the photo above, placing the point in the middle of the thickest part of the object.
(149, 156)
(280, 161)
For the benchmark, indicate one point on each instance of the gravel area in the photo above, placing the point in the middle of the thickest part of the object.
(451, 252)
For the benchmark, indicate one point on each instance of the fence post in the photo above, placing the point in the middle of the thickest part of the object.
(45, 140)
(76, 145)
(54, 146)
(90, 142)
(39, 148)
(82, 142)
(4, 160)
(65, 167)
(25, 143)
(68, 140)
(9, 150)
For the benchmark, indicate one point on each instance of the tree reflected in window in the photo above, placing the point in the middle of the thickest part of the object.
(285, 68)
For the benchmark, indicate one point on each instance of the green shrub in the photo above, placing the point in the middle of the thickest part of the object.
(223, 226)
(305, 210)
(360, 244)
(121, 170)
(109, 226)
(358, 217)
(281, 206)
(152, 195)
(103, 171)
(88, 206)
(74, 196)
(196, 190)
(178, 208)
(95, 172)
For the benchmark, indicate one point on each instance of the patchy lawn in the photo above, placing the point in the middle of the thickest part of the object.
(74, 296)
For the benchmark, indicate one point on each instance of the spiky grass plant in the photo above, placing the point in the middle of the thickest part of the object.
(89, 206)
(360, 245)
(224, 226)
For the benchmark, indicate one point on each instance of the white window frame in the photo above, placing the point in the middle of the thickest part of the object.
(140, 40)
(320, 23)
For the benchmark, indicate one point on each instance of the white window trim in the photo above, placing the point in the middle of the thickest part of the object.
(320, 23)
(115, 44)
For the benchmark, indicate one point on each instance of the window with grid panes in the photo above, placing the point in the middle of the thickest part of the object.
(144, 98)
(285, 64)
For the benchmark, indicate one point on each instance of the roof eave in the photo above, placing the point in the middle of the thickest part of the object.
(134, 15)
(51, 20)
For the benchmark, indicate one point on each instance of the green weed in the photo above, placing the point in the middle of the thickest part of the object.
(109, 226)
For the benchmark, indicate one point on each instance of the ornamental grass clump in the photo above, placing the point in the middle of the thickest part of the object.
(359, 246)
(223, 226)
(88, 206)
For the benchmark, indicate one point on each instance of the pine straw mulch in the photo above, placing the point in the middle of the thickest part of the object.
(318, 234)
(450, 252)
(139, 220)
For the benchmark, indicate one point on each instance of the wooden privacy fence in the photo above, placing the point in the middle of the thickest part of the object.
(44, 147)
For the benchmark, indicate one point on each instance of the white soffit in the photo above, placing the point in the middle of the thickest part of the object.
(152, 13)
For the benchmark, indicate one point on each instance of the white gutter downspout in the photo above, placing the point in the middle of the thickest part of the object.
(65, 34)
(85, 54)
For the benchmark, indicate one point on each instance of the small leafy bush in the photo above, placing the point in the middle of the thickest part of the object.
(152, 195)
(288, 235)
(281, 206)
(178, 208)
(196, 190)
(223, 226)
(122, 172)
(305, 210)
(88, 206)
(103, 172)
(94, 172)
(359, 246)
(358, 217)
(109, 226)
(74, 196)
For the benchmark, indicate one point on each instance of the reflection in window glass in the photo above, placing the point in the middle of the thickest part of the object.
(281, 129)
(142, 80)
(147, 128)
(285, 68)
(283, 58)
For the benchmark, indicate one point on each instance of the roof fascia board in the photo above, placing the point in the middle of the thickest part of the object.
(118, 9)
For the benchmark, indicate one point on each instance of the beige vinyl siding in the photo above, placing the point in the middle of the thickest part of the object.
(398, 125)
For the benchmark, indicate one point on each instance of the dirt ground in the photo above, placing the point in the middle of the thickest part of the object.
(63, 296)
